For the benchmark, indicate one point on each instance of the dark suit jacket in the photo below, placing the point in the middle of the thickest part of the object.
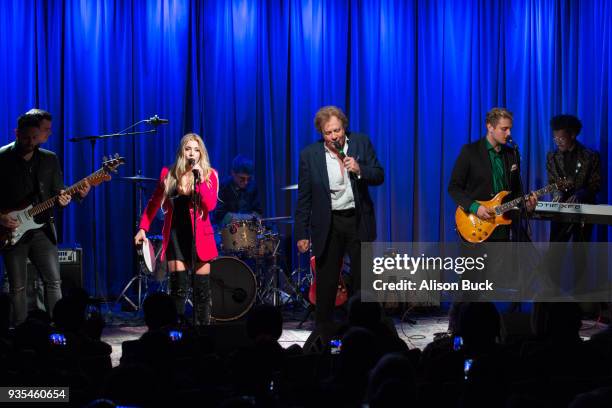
(14, 195)
(313, 213)
(472, 176)
(586, 178)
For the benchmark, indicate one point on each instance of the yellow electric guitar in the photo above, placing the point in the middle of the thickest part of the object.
(475, 230)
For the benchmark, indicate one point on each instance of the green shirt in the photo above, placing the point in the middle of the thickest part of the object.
(497, 167)
(499, 184)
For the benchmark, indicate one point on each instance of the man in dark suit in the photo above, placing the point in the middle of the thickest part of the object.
(486, 167)
(335, 212)
(577, 163)
(483, 169)
(31, 175)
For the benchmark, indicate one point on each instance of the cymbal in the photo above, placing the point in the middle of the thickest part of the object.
(137, 179)
(290, 187)
(284, 220)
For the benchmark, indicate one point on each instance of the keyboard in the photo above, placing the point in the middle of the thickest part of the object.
(573, 212)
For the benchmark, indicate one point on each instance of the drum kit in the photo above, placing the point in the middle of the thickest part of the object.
(257, 246)
(247, 270)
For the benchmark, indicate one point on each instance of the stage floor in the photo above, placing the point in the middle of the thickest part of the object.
(417, 333)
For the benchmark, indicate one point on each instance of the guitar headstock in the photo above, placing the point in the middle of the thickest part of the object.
(109, 165)
(564, 184)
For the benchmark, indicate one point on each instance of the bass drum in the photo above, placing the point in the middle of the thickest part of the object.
(233, 288)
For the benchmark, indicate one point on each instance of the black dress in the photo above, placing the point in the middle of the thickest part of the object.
(181, 233)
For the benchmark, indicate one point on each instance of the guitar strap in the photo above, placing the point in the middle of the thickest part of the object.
(32, 167)
(37, 195)
(35, 180)
(507, 168)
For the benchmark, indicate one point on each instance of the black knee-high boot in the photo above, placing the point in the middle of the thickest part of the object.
(202, 301)
(177, 284)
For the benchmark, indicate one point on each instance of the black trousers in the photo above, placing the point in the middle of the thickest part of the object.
(43, 254)
(342, 239)
(570, 232)
(565, 232)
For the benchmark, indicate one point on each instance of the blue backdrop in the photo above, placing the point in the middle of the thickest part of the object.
(417, 77)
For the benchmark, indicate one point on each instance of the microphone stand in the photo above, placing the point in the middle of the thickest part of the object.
(516, 306)
(93, 140)
(194, 257)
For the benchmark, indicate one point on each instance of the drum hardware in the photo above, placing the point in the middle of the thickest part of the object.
(268, 247)
(147, 256)
(272, 286)
(149, 253)
(301, 279)
(271, 291)
(138, 179)
(283, 220)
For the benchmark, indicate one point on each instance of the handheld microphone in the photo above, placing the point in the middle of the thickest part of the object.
(510, 142)
(156, 121)
(338, 148)
(342, 156)
(196, 172)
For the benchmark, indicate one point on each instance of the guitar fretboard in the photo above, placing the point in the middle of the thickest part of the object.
(92, 179)
(500, 209)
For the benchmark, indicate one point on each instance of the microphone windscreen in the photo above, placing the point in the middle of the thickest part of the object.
(339, 149)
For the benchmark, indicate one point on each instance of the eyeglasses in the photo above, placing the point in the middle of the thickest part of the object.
(560, 137)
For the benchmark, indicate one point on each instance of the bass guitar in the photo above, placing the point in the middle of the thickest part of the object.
(476, 230)
(25, 215)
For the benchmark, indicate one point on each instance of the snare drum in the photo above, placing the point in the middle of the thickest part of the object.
(233, 288)
(239, 236)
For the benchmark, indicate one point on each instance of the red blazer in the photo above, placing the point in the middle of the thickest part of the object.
(205, 243)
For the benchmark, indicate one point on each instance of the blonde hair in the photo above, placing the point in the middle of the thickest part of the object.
(496, 114)
(179, 168)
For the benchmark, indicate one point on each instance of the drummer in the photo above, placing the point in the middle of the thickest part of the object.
(238, 195)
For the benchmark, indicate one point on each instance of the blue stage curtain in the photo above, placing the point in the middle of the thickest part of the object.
(418, 77)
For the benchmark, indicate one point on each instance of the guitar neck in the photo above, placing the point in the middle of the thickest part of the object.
(500, 209)
(92, 179)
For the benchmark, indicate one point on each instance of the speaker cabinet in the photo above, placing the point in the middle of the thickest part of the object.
(71, 270)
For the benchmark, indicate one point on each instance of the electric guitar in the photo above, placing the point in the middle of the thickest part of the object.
(341, 293)
(476, 230)
(25, 215)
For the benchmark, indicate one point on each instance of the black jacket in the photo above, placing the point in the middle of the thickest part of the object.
(313, 213)
(17, 191)
(586, 178)
(235, 201)
(472, 176)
